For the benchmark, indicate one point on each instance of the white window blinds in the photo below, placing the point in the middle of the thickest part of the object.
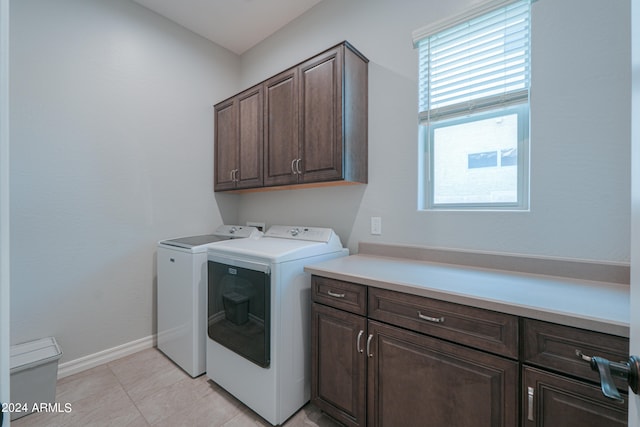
(476, 65)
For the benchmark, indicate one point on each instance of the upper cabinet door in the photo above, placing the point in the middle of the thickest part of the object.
(238, 141)
(321, 117)
(226, 145)
(250, 134)
(281, 153)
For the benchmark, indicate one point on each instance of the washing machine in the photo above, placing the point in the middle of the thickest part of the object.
(181, 293)
(259, 316)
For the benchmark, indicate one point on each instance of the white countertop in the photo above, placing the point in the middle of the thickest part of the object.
(597, 306)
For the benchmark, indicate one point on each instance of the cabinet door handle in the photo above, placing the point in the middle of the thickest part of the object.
(293, 166)
(360, 350)
(369, 345)
(335, 295)
(431, 319)
(233, 172)
(298, 166)
(530, 403)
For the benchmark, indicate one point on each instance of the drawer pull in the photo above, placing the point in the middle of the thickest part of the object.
(335, 295)
(360, 350)
(530, 403)
(369, 345)
(431, 319)
(583, 356)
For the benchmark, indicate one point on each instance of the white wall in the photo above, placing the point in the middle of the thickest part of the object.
(634, 400)
(4, 206)
(580, 132)
(111, 151)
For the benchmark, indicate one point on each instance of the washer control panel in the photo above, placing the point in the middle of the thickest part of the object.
(237, 232)
(314, 234)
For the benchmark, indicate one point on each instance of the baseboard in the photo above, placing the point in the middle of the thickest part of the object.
(92, 360)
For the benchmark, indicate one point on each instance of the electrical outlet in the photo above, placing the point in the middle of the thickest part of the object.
(259, 225)
(376, 225)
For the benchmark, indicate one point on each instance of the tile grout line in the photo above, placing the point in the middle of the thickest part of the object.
(124, 389)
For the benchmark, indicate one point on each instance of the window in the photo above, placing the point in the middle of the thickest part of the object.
(474, 110)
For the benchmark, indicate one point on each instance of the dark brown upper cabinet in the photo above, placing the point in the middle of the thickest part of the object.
(314, 125)
(281, 138)
(238, 141)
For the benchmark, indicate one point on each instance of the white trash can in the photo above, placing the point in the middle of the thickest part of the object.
(34, 371)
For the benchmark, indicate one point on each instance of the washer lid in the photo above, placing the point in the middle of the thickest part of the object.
(192, 241)
(224, 232)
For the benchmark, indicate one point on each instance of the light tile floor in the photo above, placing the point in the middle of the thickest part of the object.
(147, 389)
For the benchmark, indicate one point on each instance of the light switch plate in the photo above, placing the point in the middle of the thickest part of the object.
(376, 225)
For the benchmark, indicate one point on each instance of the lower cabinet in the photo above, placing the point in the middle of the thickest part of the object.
(382, 358)
(370, 373)
(555, 400)
(417, 380)
(338, 368)
(559, 388)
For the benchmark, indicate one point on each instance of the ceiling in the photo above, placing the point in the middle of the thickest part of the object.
(237, 25)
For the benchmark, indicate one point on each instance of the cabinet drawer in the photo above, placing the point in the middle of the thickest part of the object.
(346, 296)
(483, 329)
(554, 347)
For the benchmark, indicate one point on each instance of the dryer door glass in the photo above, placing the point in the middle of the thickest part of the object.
(239, 314)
